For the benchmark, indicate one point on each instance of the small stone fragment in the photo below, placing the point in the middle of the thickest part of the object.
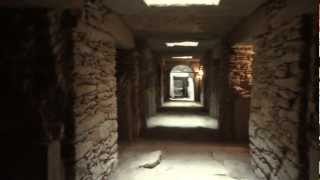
(153, 159)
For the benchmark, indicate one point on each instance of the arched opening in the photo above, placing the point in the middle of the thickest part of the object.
(182, 83)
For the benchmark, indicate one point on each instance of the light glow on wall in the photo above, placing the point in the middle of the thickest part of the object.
(184, 43)
(182, 57)
(181, 2)
(200, 73)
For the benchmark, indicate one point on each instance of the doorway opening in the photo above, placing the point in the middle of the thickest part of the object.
(182, 83)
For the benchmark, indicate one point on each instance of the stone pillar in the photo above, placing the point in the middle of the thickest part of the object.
(94, 97)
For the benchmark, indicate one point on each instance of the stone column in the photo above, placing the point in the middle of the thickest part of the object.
(94, 97)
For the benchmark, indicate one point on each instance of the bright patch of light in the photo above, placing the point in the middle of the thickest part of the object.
(182, 121)
(181, 2)
(185, 43)
(182, 57)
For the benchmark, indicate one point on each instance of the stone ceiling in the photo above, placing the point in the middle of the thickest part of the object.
(206, 24)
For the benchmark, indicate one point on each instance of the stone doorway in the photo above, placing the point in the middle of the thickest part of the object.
(182, 83)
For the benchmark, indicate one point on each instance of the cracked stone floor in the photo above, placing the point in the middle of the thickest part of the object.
(183, 161)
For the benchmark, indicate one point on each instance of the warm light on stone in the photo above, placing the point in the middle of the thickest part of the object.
(182, 57)
(185, 43)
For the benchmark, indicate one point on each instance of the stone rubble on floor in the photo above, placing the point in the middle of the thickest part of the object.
(152, 160)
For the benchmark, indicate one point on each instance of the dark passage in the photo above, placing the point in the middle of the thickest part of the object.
(159, 89)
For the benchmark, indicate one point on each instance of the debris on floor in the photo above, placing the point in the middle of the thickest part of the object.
(172, 160)
(152, 160)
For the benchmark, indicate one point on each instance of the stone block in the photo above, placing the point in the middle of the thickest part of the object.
(84, 89)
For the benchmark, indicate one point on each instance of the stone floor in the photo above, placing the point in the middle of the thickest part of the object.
(183, 161)
(182, 120)
(182, 104)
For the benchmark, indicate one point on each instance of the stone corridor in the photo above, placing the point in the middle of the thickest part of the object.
(100, 89)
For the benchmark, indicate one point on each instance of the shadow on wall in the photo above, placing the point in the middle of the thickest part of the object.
(36, 102)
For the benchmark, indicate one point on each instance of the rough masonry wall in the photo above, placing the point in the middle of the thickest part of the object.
(240, 82)
(128, 95)
(211, 79)
(94, 85)
(276, 102)
(148, 80)
(312, 105)
(59, 30)
(240, 73)
(219, 93)
(277, 121)
(61, 80)
(136, 77)
(34, 47)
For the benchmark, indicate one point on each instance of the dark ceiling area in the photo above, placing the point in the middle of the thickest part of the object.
(206, 24)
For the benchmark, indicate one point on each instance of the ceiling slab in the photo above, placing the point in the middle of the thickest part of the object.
(206, 24)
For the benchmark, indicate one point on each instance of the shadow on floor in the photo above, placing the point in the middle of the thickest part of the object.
(181, 125)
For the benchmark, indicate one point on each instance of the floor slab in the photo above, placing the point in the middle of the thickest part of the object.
(185, 161)
(182, 120)
(188, 104)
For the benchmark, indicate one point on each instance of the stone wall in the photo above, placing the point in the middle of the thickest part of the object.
(128, 95)
(224, 103)
(35, 99)
(228, 88)
(211, 80)
(277, 118)
(215, 66)
(240, 82)
(94, 87)
(240, 73)
(148, 82)
(312, 115)
(59, 102)
(136, 77)
(59, 29)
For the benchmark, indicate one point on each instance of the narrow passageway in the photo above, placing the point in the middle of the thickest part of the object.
(159, 90)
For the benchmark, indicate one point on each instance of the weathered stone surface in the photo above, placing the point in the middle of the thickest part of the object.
(240, 69)
(151, 160)
(95, 103)
(136, 95)
(277, 99)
